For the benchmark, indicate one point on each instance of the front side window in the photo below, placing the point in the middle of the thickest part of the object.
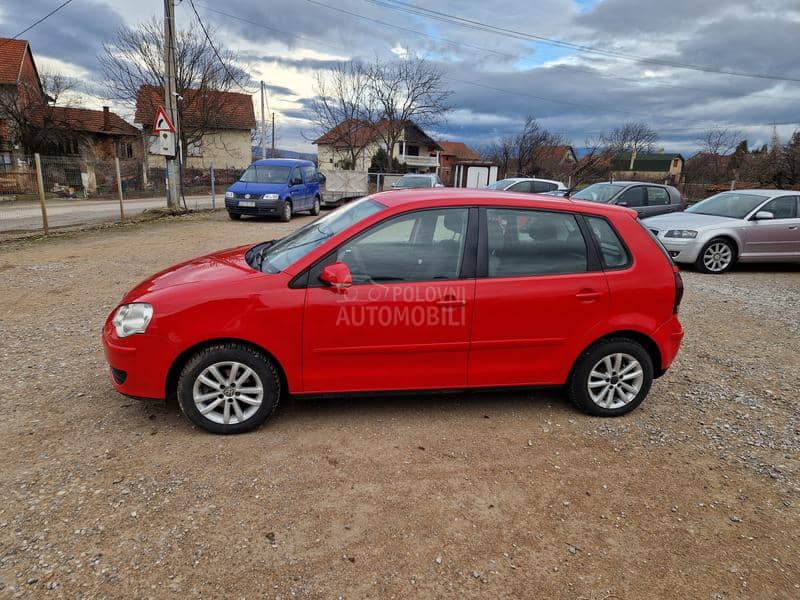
(612, 250)
(598, 192)
(310, 174)
(260, 174)
(502, 184)
(633, 197)
(657, 196)
(273, 258)
(522, 186)
(426, 245)
(784, 207)
(533, 242)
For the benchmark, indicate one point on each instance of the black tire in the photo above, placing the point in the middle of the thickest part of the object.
(234, 216)
(316, 208)
(716, 247)
(578, 383)
(264, 369)
(286, 212)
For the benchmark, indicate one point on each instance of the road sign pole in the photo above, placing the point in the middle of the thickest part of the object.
(171, 104)
(119, 189)
(213, 194)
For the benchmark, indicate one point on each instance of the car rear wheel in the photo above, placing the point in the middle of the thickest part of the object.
(611, 378)
(234, 216)
(228, 388)
(316, 208)
(286, 212)
(717, 256)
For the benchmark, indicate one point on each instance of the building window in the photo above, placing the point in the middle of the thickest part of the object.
(674, 163)
(124, 150)
(5, 159)
(412, 150)
(195, 148)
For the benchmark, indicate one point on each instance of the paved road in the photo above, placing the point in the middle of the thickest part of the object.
(27, 216)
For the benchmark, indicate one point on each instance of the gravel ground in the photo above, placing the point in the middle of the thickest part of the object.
(693, 495)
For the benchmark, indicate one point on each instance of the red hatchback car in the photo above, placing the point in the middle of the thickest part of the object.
(408, 290)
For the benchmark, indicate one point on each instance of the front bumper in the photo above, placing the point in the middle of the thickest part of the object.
(138, 364)
(681, 250)
(263, 208)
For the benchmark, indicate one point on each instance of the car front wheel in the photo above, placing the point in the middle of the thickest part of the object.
(611, 377)
(286, 212)
(717, 256)
(316, 208)
(228, 388)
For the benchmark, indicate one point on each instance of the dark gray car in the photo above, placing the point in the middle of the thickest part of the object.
(648, 199)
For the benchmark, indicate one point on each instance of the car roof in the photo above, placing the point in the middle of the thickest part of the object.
(433, 197)
(283, 162)
(630, 182)
(765, 192)
(531, 179)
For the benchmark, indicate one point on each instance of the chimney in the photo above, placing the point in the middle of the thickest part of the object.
(106, 118)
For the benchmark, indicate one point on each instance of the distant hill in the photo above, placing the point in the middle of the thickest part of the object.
(280, 153)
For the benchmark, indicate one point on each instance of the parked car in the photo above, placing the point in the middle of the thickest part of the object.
(528, 184)
(275, 187)
(405, 291)
(731, 227)
(417, 180)
(647, 199)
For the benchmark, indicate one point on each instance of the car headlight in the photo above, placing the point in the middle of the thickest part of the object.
(681, 233)
(229, 195)
(132, 318)
(270, 197)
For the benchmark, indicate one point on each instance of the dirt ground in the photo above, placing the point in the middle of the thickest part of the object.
(693, 495)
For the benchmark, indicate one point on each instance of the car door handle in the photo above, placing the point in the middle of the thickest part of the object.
(792, 226)
(588, 295)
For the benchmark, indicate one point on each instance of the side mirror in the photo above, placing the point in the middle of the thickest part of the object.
(763, 215)
(337, 276)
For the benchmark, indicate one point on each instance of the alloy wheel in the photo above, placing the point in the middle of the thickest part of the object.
(717, 257)
(615, 380)
(228, 392)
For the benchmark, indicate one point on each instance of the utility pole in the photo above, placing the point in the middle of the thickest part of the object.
(273, 136)
(263, 125)
(171, 106)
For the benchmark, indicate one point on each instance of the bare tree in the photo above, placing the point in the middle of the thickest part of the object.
(524, 154)
(594, 164)
(719, 140)
(34, 112)
(135, 58)
(634, 136)
(342, 107)
(403, 91)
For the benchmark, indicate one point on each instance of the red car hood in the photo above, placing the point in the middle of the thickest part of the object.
(219, 267)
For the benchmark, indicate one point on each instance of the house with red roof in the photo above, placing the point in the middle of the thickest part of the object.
(453, 154)
(215, 126)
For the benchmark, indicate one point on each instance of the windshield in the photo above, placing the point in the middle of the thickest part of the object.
(598, 192)
(413, 182)
(728, 204)
(501, 185)
(276, 257)
(269, 174)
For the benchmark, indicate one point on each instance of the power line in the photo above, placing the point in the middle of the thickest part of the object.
(464, 22)
(214, 48)
(412, 31)
(35, 23)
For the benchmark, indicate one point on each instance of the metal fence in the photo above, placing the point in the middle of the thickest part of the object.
(43, 193)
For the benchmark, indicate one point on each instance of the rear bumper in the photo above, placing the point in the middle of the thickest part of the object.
(138, 364)
(668, 337)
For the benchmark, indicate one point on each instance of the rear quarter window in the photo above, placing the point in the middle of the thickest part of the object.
(613, 253)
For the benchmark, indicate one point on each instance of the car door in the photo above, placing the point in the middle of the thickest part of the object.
(634, 197)
(539, 289)
(657, 201)
(404, 323)
(297, 189)
(777, 238)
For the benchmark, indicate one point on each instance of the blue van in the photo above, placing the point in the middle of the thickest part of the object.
(275, 186)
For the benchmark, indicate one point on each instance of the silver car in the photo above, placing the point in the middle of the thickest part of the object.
(741, 225)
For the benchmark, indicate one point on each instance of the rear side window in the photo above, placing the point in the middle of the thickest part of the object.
(657, 196)
(542, 186)
(612, 250)
(533, 242)
(522, 186)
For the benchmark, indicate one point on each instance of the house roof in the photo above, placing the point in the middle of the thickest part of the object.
(11, 57)
(555, 153)
(83, 119)
(460, 150)
(209, 108)
(644, 161)
(361, 133)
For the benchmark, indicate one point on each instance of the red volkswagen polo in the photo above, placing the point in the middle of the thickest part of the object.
(408, 290)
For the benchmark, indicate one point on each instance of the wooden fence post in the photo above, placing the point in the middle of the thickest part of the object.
(40, 183)
(119, 189)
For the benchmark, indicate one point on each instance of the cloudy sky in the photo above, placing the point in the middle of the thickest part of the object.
(588, 84)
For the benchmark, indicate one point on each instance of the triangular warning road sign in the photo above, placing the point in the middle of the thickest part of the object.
(162, 122)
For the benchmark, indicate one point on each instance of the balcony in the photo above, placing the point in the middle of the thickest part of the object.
(418, 161)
